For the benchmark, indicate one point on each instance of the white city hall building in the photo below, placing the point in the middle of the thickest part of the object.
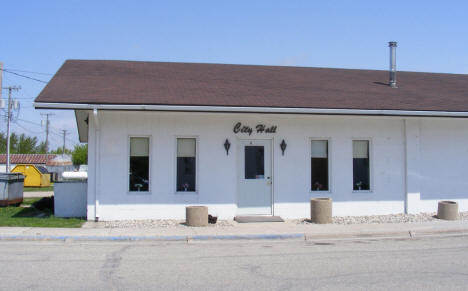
(264, 140)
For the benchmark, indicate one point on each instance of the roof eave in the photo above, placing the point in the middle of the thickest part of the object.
(244, 109)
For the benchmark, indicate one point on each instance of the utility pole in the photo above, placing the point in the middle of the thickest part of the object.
(1, 79)
(9, 117)
(64, 135)
(47, 123)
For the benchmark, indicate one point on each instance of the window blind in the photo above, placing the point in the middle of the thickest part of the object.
(139, 146)
(319, 149)
(360, 149)
(186, 147)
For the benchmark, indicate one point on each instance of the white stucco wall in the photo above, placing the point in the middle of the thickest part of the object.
(217, 172)
(444, 163)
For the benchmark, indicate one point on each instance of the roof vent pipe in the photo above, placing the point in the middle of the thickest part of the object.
(392, 45)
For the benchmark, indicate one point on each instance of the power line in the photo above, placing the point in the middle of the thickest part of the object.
(69, 139)
(55, 141)
(72, 141)
(32, 122)
(50, 131)
(27, 129)
(30, 72)
(40, 132)
(27, 77)
(38, 124)
(25, 98)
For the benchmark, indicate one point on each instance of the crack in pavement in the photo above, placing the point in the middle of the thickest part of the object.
(111, 266)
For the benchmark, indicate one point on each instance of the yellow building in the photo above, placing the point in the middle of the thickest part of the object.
(34, 176)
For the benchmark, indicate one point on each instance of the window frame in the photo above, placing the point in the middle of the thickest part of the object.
(329, 147)
(150, 156)
(174, 182)
(371, 162)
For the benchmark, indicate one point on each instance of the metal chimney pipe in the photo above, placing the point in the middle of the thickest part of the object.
(392, 82)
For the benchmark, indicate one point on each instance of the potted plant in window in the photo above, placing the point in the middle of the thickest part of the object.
(318, 186)
(185, 186)
(359, 185)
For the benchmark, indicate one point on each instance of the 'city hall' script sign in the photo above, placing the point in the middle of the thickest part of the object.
(259, 128)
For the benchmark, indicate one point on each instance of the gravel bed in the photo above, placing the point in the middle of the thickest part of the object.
(391, 218)
(158, 223)
(376, 219)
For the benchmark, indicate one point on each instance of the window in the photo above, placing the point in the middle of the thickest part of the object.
(139, 164)
(361, 171)
(186, 164)
(319, 165)
(254, 162)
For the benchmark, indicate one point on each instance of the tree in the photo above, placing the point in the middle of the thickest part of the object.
(13, 143)
(23, 144)
(80, 154)
(26, 145)
(59, 151)
(20, 144)
(41, 148)
(2, 142)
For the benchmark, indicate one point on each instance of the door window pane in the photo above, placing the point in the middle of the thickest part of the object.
(361, 170)
(186, 164)
(319, 165)
(139, 164)
(254, 162)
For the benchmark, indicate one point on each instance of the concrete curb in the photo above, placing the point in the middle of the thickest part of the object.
(92, 238)
(287, 236)
(156, 238)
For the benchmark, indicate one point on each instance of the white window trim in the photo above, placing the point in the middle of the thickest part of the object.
(197, 172)
(150, 176)
(309, 166)
(371, 167)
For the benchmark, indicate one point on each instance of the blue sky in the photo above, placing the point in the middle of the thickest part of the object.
(38, 36)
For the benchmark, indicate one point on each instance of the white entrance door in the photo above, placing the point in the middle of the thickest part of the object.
(255, 180)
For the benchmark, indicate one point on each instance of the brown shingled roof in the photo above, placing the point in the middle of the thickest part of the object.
(35, 159)
(155, 83)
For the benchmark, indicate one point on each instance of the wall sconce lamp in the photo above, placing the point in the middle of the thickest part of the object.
(227, 145)
(283, 146)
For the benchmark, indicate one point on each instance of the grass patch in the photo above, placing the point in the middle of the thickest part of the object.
(38, 189)
(35, 212)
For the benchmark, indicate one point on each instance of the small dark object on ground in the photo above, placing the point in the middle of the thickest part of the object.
(212, 219)
(45, 203)
(324, 244)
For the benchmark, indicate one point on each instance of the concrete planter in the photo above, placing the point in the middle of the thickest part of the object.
(448, 210)
(321, 210)
(196, 215)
